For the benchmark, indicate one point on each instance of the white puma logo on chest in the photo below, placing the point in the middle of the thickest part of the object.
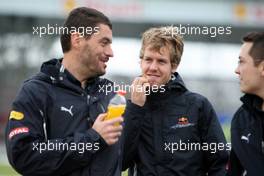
(67, 110)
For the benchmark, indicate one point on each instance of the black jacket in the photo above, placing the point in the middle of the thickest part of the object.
(153, 135)
(247, 128)
(51, 108)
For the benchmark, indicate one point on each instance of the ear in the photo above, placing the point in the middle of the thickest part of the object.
(174, 67)
(75, 40)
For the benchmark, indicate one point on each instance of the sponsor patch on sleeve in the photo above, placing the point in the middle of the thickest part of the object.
(17, 131)
(16, 115)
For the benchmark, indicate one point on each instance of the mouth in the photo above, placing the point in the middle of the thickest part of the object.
(153, 76)
(104, 61)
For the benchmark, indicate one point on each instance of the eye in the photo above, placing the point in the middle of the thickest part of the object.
(161, 61)
(147, 59)
(104, 43)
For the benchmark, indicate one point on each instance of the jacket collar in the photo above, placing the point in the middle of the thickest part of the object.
(176, 82)
(55, 73)
(252, 102)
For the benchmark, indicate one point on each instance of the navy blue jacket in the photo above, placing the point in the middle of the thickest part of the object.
(153, 135)
(52, 109)
(247, 137)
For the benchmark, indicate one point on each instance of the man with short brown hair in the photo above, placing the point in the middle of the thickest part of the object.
(167, 127)
(247, 129)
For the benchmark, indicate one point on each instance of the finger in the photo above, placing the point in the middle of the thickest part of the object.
(114, 135)
(115, 120)
(136, 80)
(113, 129)
(137, 84)
(146, 86)
(142, 80)
(112, 141)
(101, 117)
(117, 128)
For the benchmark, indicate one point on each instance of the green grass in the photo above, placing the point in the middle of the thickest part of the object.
(124, 173)
(226, 129)
(6, 170)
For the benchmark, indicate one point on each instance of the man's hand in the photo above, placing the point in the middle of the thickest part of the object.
(139, 88)
(107, 129)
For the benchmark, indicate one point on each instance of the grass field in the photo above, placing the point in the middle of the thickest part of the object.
(226, 129)
(6, 170)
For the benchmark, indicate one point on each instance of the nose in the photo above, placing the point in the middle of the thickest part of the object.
(109, 52)
(153, 66)
(237, 70)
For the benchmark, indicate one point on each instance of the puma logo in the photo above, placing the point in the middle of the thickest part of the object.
(246, 138)
(67, 110)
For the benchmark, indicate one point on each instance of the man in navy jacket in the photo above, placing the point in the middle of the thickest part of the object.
(247, 128)
(56, 124)
(170, 130)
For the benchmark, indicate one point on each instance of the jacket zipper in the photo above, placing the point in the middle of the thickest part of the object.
(44, 125)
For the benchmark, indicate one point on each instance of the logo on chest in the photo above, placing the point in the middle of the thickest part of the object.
(182, 122)
(246, 138)
(68, 110)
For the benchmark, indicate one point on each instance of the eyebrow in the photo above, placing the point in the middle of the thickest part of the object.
(159, 58)
(162, 58)
(106, 39)
(147, 57)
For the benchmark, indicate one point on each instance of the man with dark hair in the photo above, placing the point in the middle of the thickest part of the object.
(171, 131)
(87, 23)
(247, 128)
(56, 125)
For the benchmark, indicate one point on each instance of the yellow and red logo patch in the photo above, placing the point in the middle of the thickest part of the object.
(16, 115)
(183, 121)
(17, 131)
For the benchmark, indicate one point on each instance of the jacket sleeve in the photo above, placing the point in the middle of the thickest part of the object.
(234, 167)
(31, 154)
(133, 116)
(212, 135)
(248, 154)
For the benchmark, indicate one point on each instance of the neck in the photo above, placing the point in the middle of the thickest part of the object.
(70, 62)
